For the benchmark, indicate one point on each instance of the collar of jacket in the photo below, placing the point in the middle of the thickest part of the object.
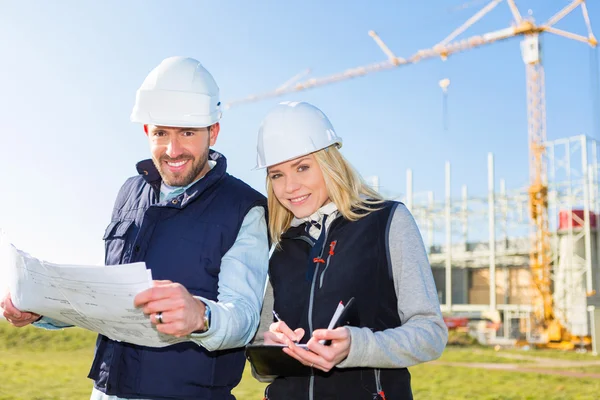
(301, 231)
(150, 174)
(299, 228)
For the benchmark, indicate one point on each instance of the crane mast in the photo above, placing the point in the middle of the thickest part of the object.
(540, 255)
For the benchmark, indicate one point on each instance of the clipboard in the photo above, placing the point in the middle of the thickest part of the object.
(269, 359)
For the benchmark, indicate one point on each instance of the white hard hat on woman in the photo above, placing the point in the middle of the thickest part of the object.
(291, 130)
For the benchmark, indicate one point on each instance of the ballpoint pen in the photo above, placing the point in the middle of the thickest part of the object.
(279, 320)
(276, 316)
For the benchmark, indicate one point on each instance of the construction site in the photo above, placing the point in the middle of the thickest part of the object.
(479, 247)
(482, 117)
(519, 266)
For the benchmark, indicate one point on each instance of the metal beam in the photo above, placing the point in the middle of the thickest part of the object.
(569, 35)
(391, 56)
(515, 11)
(468, 23)
(563, 13)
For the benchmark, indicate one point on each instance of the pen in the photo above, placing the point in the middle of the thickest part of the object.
(334, 319)
(279, 320)
(276, 316)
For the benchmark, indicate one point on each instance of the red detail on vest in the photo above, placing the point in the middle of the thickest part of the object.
(318, 260)
(382, 395)
(331, 247)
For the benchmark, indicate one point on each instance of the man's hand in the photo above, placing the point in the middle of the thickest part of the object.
(181, 313)
(14, 316)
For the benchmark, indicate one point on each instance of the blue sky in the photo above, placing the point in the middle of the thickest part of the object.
(70, 70)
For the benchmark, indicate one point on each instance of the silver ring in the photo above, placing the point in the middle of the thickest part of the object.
(159, 317)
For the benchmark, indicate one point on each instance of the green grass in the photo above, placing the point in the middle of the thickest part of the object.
(432, 381)
(36, 364)
(477, 355)
(46, 375)
(595, 369)
(35, 339)
(249, 388)
(555, 354)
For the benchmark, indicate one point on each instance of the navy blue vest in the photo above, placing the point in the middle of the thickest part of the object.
(182, 240)
(355, 264)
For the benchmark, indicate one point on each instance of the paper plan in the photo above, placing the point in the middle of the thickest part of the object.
(98, 298)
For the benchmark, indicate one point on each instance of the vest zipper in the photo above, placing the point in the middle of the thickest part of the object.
(310, 312)
(312, 287)
(331, 248)
(380, 394)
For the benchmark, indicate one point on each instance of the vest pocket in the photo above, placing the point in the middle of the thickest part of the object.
(114, 240)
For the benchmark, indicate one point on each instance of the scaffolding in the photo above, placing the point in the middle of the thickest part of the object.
(499, 253)
(574, 209)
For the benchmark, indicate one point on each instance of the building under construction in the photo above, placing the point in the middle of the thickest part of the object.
(479, 247)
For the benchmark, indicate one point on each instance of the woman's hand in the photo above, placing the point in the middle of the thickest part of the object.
(320, 356)
(280, 333)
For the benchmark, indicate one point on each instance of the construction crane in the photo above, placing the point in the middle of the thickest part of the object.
(540, 250)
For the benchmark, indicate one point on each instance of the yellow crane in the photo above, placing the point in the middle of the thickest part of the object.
(540, 253)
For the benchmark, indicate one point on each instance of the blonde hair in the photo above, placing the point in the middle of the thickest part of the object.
(345, 187)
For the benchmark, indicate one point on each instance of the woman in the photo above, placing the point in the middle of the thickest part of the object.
(337, 239)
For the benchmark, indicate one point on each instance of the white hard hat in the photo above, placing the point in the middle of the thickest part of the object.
(179, 92)
(291, 130)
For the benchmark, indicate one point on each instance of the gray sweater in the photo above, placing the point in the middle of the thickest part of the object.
(423, 335)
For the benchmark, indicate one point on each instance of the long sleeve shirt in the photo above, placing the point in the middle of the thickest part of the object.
(423, 334)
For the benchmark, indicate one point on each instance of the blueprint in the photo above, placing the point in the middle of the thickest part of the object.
(97, 298)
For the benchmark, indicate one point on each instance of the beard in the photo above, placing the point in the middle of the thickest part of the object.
(194, 168)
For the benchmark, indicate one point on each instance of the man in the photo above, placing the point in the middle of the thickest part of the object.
(202, 232)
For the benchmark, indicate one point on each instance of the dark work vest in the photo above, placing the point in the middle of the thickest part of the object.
(355, 264)
(182, 240)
